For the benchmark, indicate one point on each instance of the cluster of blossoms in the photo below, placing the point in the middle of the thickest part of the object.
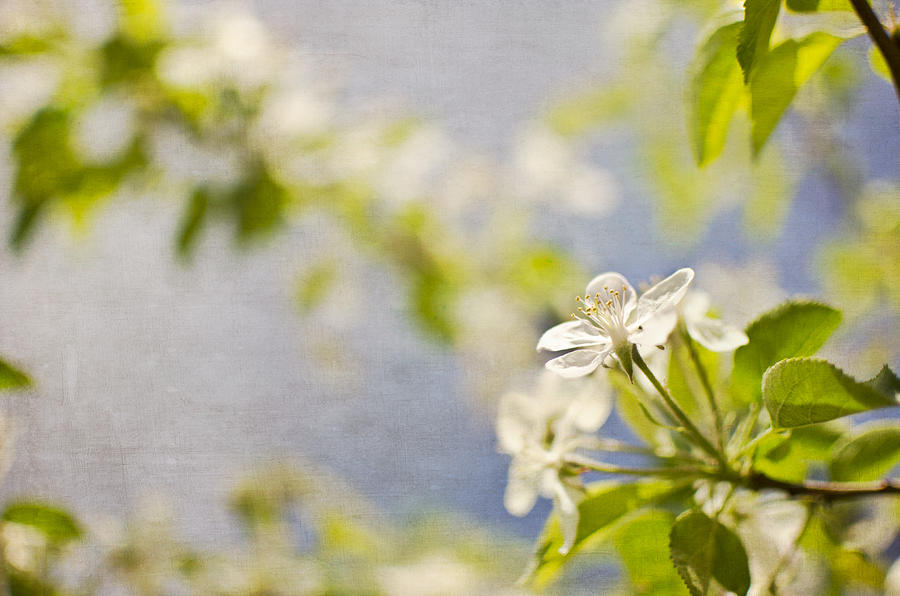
(542, 432)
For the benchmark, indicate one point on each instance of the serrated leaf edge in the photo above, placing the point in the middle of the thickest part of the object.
(807, 359)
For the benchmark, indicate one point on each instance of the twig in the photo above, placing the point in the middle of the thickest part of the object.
(888, 48)
(828, 491)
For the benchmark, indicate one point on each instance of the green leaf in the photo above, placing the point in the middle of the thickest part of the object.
(313, 287)
(818, 5)
(789, 458)
(885, 381)
(802, 391)
(791, 330)
(682, 378)
(259, 202)
(12, 378)
(192, 222)
(57, 525)
(716, 91)
(848, 568)
(607, 502)
(869, 452)
(641, 543)
(778, 77)
(630, 400)
(766, 208)
(703, 549)
(756, 30)
(580, 114)
(878, 64)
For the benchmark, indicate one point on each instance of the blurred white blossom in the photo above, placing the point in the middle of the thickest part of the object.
(438, 575)
(106, 129)
(713, 334)
(742, 293)
(546, 168)
(539, 431)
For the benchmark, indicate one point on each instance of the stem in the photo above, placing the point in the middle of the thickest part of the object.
(597, 466)
(749, 445)
(752, 419)
(829, 491)
(614, 446)
(702, 441)
(883, 41)
(704, 381)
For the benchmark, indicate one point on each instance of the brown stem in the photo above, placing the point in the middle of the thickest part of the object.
(828, 491)
(883, 41)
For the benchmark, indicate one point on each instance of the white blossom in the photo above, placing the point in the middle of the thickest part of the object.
(539, 431)
(611, 319)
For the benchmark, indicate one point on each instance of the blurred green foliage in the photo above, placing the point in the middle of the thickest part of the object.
(701, 131)
(304, 534)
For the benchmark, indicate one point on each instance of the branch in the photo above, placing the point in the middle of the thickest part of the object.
(883, 41)
(828, 491)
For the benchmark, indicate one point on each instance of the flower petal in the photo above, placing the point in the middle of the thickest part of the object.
(577, 363)
(590, 412)
(655, 330)
(716, 336)
(571, 334)
(694, 306)
(566, 505)
(514, 422)
(663, 295)
(614, 281)
(521, 488)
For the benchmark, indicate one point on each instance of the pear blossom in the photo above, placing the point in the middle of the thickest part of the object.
(712, 334)
(610, 319)
(539, 431)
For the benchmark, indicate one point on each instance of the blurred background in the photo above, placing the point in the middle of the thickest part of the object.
(331, 232)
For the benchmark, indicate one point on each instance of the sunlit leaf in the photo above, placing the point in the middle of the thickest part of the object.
(642, 544)
(314, 285)
(704, 549)
(642, 422)
(26, 44)
(124, 59)
(869, 452)
(142, 20)
(802, 391)
(605, 505)
(682, 380)
(57, 525)
(879, 66)
(846, 567)
(539, 271)
(753, 43)
(789, 457)
(788, 331)
(773, 188)
(822, 5)
(586, 111)
(716, 91)
(12, 378)
(192, 221)
(259, 202)
(779, 75)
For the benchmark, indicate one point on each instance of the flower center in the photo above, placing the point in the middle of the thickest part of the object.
(606, 311)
